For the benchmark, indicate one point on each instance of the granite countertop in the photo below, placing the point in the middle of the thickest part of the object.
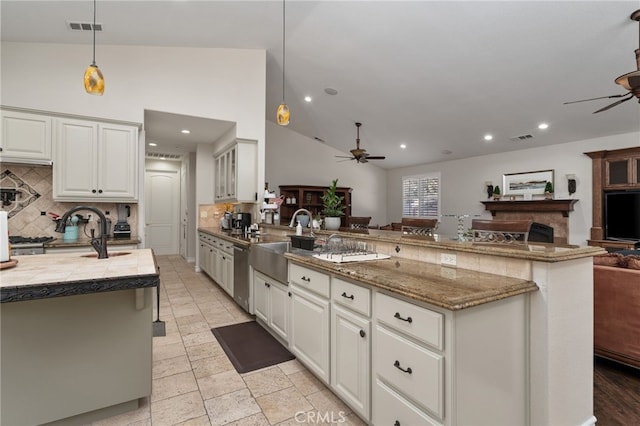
(68, 274)
(85, 242)
(442, 286)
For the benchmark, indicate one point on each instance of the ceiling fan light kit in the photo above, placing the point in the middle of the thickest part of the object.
(93, 78)
(282, 114)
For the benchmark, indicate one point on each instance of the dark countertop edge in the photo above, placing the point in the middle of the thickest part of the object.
(519, 286)
(74, 288)
(59, 243)
(394, 237)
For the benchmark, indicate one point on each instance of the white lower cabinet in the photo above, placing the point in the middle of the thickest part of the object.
(271, 304)
(392, 409)
(309, 336)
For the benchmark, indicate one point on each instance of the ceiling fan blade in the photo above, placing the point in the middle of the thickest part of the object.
(376, 157)
(594, 99)
(344, 156)
(613, 104)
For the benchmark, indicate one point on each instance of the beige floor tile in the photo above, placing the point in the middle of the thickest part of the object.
(200, 421)
(171, 350)
(171, 366)
(231, 407)
(198, 338)
(254, 420)
(283, 405)
(326, 402)
(204, 350)
(189, 319)
(174, 385)
(185, 310)
(177, 409)
(290, 367)
(306, 382)
(219, 384)
(193, 328)
(213, 365)
(267, 381)
(169, 339)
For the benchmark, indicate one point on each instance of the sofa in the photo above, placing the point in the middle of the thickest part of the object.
(616, 306)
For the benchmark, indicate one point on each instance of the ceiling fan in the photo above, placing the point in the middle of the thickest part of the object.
(359, 154)
(630, 81)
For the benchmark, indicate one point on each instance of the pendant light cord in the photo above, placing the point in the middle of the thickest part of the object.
(94, 32)
(283, 51)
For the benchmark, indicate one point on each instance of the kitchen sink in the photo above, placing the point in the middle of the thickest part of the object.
(269, 259)
(119, 253)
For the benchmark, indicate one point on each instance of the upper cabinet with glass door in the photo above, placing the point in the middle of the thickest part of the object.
(622, 171)
(236, 172)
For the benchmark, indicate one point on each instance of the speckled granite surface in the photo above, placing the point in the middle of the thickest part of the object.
(67, 274)
(60, 243)
(442, 286)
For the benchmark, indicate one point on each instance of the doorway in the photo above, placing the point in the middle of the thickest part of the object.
(162, 211)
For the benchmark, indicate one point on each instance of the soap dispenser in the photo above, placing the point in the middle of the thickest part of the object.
(298, 229)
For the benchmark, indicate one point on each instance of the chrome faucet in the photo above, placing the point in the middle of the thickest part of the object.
(293, 219)
(98, 244)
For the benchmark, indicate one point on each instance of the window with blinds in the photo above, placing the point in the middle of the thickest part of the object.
(421, 196)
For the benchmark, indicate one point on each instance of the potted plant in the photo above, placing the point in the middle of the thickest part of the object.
(548, 190)
(333, 207)
(496, 192)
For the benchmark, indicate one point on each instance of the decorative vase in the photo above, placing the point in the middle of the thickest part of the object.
(548, 195)
(332, 223)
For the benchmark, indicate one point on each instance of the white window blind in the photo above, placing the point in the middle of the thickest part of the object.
(421, 196)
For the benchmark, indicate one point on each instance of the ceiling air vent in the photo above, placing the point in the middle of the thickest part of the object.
(161, 156)
(521, 138)
(83, 26)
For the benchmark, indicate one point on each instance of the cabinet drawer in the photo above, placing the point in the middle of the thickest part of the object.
(355, 297)
(418, 322)
(415, 371)
(389, 408)
(309, 279)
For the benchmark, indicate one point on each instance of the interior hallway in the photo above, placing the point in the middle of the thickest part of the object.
(194, 383)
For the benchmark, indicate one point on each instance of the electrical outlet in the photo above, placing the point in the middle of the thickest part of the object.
(448, 259)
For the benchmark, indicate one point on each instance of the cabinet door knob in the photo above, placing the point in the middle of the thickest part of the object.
(289, 294)
(267, 285)
(362, 333)
(344, 294)
(99, 191)
(93, 191)
(408, 319)
(397, 365)
(396, 423)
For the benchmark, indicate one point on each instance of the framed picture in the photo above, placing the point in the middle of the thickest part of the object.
(528, 183)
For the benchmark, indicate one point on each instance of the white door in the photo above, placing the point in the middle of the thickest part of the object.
(184, 211)
(162, 211)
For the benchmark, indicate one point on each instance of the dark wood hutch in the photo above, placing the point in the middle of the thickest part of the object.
(308, 197)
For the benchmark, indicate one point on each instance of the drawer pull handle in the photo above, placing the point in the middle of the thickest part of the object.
(362, 333)
(396, 423)
(344, 294)
(267, 285)
(408, 319)
(305, 279)
(397, 365)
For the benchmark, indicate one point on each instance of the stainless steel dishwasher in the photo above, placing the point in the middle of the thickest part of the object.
(241, 282)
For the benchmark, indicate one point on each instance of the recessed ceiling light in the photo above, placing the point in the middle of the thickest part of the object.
(307, 98)
(403, 145)
(152, 144)
(543, 126)
(488, 137)
(185, 131)
(330, 91)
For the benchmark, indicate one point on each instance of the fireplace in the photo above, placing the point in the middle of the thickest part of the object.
(541, 233)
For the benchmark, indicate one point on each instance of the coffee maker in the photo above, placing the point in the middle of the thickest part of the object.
(241, 221)
(227, 221)
(122, 229)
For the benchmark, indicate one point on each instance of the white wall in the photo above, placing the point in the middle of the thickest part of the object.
(294, 159)
(224, 84)
(463, 180)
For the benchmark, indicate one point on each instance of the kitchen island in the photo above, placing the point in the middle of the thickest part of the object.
(547, 288)
(76, 336)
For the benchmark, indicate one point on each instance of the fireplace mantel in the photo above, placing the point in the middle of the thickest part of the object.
(562, 206)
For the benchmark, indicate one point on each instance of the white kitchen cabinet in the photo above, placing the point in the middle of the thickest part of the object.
(310, 320)
(271, 304)
(226, 271)
(26, 138)
(350, 358)
(236, 172)
(207, 253)
(95, 161)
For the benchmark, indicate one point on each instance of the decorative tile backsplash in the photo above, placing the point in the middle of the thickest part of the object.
(33, 189)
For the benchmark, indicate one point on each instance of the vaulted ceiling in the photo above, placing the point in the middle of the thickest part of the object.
(436, 76)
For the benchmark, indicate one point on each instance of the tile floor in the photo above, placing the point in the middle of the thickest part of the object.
(194, 383)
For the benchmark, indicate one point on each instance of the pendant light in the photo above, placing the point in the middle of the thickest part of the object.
(283, 115)
(93, 79)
